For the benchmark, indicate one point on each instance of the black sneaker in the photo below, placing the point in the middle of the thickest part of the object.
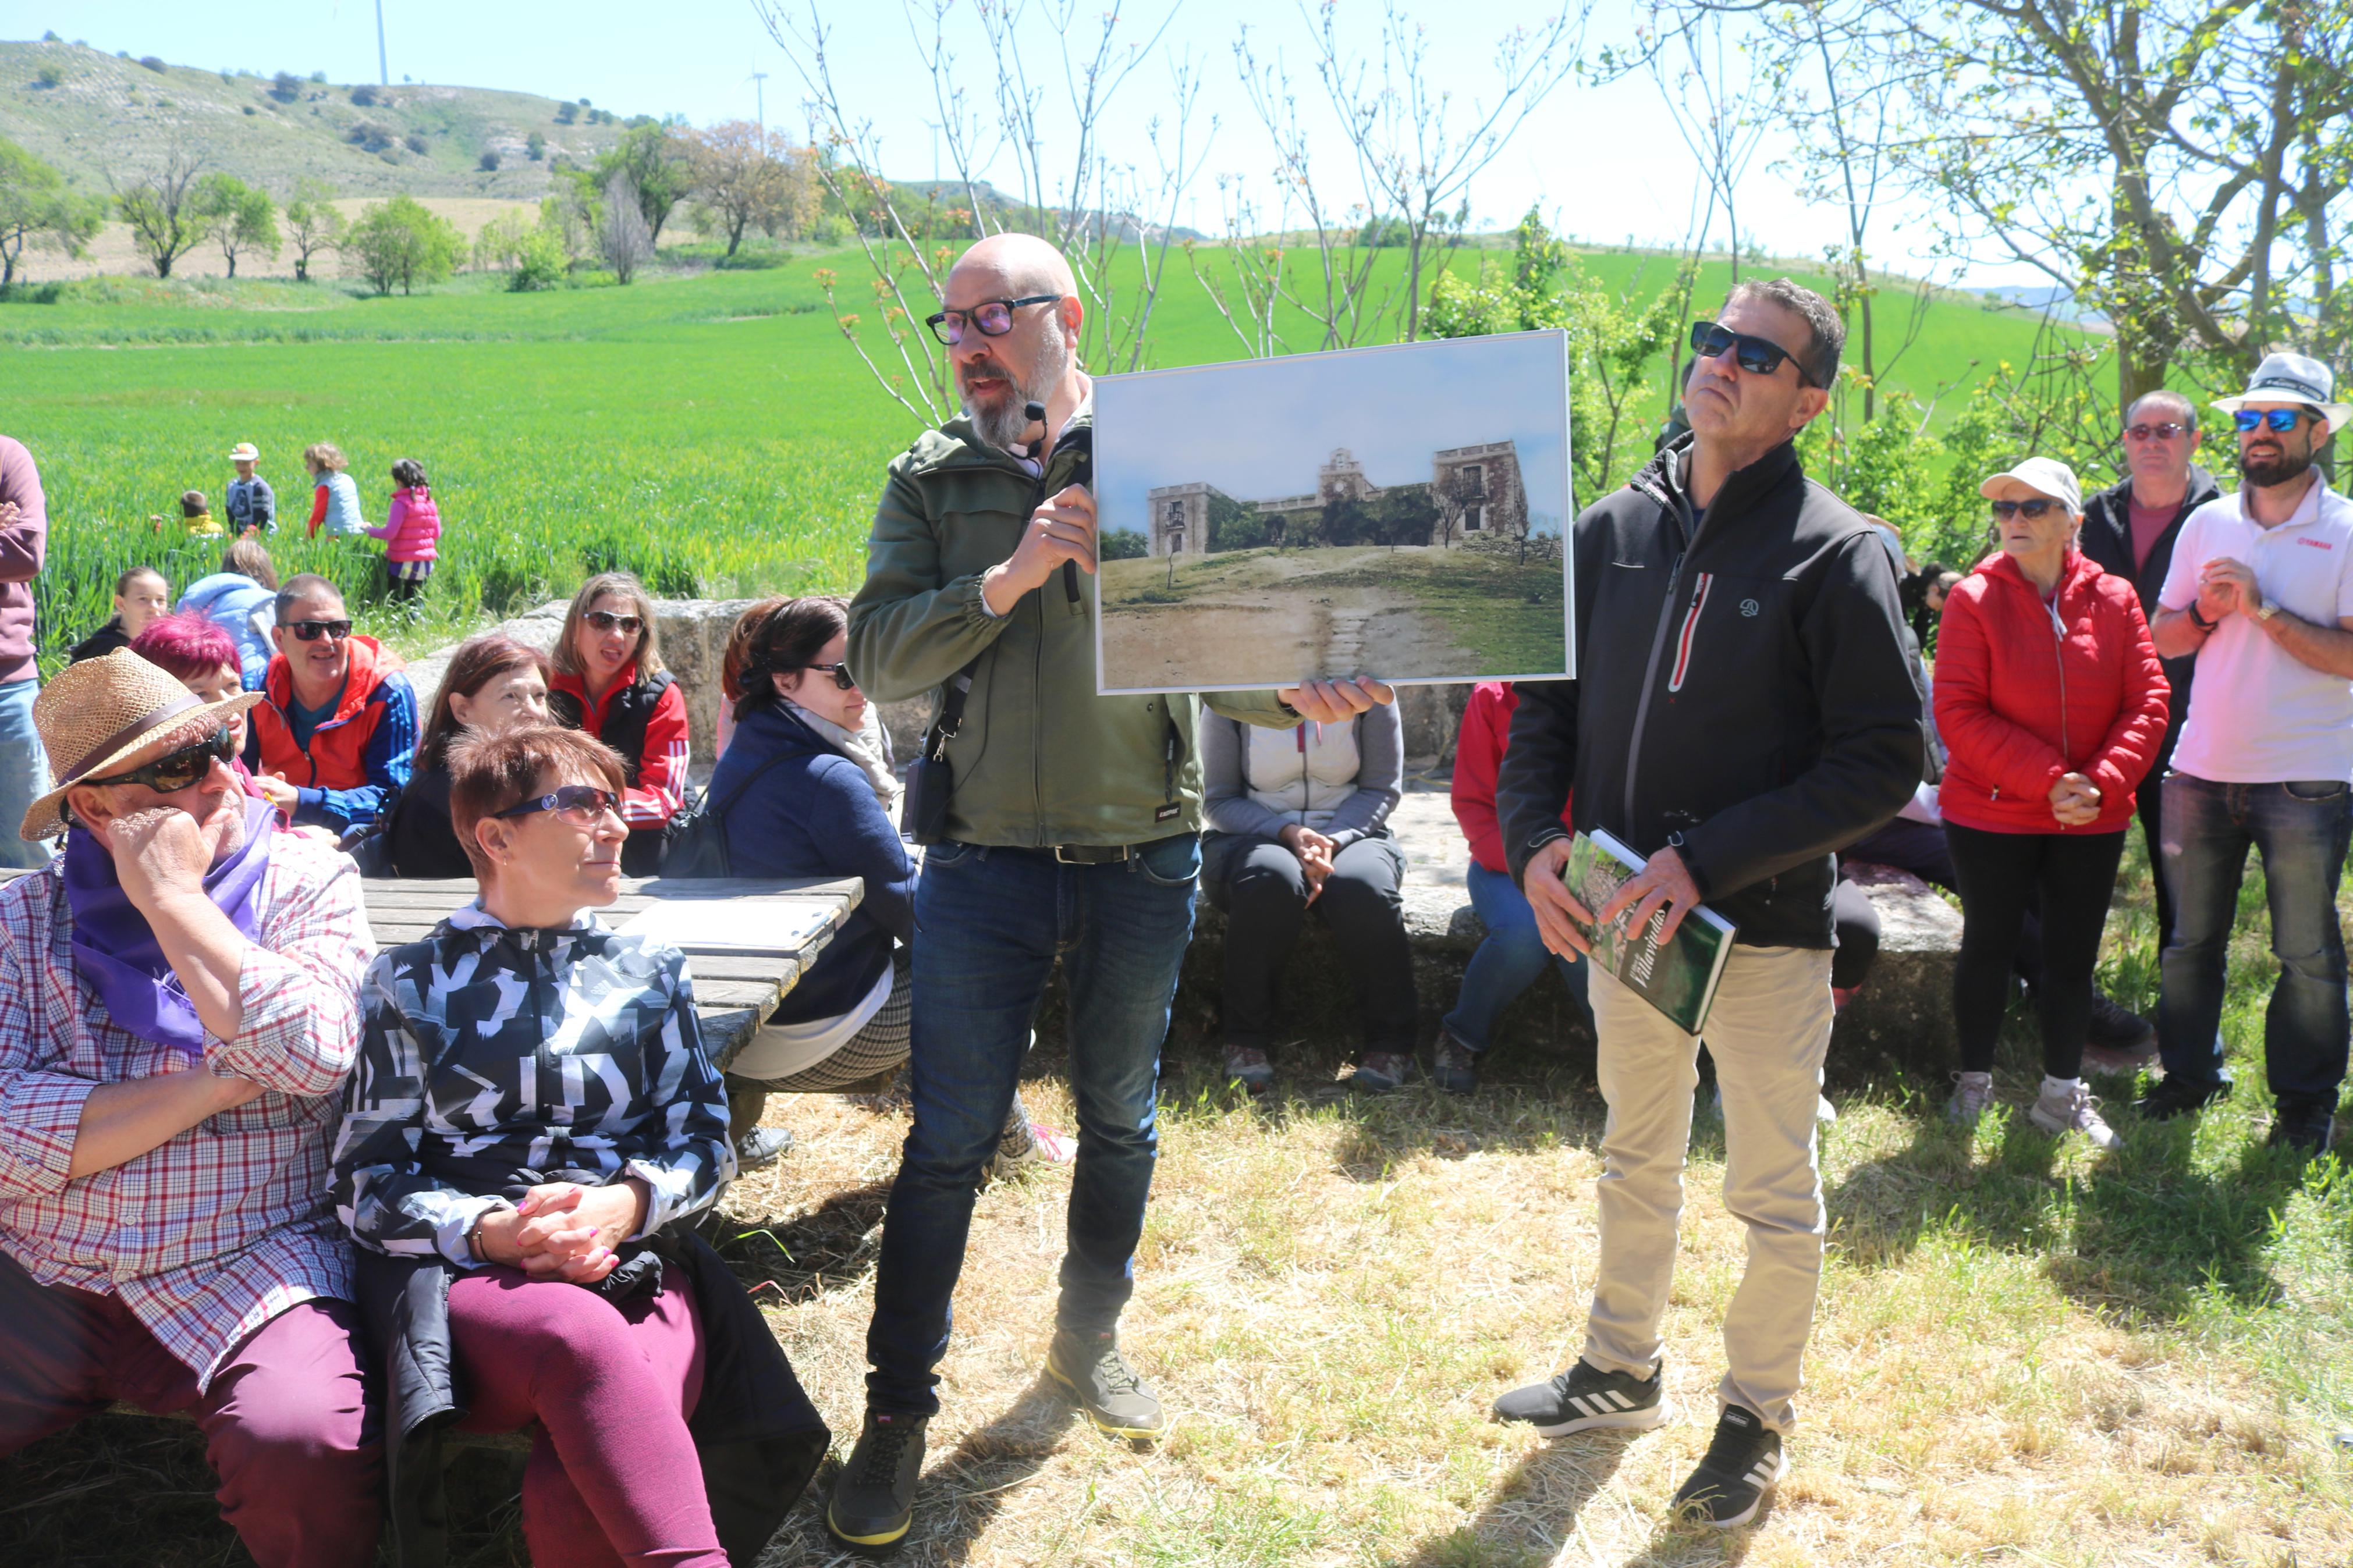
(1106, 1386)
(1586, 1397)
(2307, 1126)
(763, 1146)
(873, 1500)
(2174, 1097)
(1744, 1460)
(2114, 1028)
(1453, 1066)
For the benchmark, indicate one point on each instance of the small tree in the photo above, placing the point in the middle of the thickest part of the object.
(623, 237)
(236, 216)
(660, 162)
(313, 222)
(746, 178)
(399, 241)
(534, 147)
(286, 87)
(157, 208)
(500, 245)
(489, 164)
(37, 209)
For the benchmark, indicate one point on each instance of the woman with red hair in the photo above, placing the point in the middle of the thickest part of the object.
(203, 657)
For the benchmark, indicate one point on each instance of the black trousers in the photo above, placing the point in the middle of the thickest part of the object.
(1920, 848)
(1260, 886)
(2002, 876)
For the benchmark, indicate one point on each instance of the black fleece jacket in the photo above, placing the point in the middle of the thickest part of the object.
(1742, 693)
(2107, 538)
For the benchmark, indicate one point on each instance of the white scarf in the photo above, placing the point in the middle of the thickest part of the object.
(869, 747)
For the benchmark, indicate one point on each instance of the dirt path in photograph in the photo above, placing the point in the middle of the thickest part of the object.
(1230, 640)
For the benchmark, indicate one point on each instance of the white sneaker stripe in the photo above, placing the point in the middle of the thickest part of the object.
(1623, 1402)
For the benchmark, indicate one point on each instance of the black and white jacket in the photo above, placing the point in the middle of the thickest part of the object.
(494, 1059)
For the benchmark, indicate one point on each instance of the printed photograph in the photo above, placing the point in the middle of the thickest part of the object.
(1396, 512)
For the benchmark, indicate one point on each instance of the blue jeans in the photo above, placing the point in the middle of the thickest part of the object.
(2300, 830)
(24, 773)
(990, 923)
(1508, 960)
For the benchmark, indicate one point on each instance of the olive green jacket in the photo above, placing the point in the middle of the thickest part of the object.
(1039, 759)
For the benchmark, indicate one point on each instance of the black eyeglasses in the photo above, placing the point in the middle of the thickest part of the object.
(605, 621)
(175, 770)
(841, 673)
(2146, 432)
(579, 805)
(1757, 356)
(2006, 509)
(993, 318)
(2282, 420)
(311, 631)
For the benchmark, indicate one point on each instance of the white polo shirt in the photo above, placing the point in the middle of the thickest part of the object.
(2256, 715)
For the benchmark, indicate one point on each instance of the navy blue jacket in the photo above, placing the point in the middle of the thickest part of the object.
(813, 815)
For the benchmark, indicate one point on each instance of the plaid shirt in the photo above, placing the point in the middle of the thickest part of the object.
(209, 1236)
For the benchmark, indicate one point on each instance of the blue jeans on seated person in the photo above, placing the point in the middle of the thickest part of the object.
(24, 773)
(2300, 829)
(990, 923)
(1508, 960)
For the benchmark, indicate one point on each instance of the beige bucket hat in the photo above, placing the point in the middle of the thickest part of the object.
(107, 716)
(245, 452)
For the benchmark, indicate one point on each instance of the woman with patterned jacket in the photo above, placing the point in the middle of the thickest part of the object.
(531, 1116)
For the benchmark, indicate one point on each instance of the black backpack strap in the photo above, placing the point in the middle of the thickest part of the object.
(958, 691)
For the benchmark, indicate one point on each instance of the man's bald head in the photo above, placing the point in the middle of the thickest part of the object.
(1009, 265)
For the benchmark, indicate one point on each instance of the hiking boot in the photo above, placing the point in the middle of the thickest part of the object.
(1381, 1072)
(763, 1146)
(1453, 1066)
(873, 1500)
(1106, 1386)
(1972, 1097)
(1247, 1066)
(2173, 1097)
(1586, 1397)
(2118, 1037)
(2307, 1126)
(2065, 1106)
(1743, 1461)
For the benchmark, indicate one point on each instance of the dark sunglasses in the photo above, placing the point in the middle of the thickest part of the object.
(175, 770)
(2031, 509)
(2281, 420)
(992, 317)
(2165, 432)
(841, 673)
(605, 621)
(579, 805)
(311, 631)
(1757, 356)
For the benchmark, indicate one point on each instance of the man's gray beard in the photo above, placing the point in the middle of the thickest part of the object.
(2283, 470)
(1004, 426)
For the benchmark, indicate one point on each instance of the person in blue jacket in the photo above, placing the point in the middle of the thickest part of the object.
(806, 788)
(241, 598)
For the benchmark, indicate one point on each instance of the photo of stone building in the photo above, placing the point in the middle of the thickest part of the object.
(1474, 490)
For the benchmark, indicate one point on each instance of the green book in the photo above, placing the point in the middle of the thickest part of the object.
(1679, 979)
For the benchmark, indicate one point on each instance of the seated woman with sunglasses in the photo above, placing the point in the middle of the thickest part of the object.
(493, 684)
(610, 681)
(530, 1125)
(807, 789)
(2051, 704)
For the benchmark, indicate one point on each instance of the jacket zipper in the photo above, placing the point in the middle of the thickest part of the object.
(1657, 647)
(2059, 663)
(1037, 687)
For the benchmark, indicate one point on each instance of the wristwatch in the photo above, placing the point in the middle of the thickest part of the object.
(2267, 612)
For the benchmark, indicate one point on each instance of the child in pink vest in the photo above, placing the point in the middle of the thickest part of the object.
(409, 531)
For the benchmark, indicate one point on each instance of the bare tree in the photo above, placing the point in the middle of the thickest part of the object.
(747, 178)
(160, 207)
(1720, 100)
(624, 238)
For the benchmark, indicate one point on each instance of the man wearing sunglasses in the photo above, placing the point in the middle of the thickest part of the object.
(2130, 530)
(2260, 594)
(181, 1009)
(335, 736)
(1069, 836)
(1744, 705)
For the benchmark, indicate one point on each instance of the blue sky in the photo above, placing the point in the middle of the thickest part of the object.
(1260, 428)
(1605, 164)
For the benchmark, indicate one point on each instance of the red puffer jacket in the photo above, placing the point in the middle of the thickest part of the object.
(2026, 693)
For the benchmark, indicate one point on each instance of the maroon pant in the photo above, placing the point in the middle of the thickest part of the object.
(612, 1476)
(288, 1424)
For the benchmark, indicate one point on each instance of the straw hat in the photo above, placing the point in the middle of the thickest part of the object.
(107, 716)
(245, 452)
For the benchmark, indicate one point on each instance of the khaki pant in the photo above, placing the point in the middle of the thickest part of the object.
(1767, 1032)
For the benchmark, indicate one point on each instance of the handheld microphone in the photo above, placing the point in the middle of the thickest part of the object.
(1036, 413)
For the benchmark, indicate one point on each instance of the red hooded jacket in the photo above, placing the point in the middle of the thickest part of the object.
(2022, 697)
(1478, 753)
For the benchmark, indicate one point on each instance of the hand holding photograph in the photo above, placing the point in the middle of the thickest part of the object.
(1398, 512)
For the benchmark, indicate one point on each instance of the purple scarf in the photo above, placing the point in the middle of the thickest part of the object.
(115, 949)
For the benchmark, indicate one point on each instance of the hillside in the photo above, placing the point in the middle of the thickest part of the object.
(105, 115)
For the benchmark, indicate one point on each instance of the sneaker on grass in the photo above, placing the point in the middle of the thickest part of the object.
(2172, 1097)
(763, 1146)
(2065, 1106)
(1972, 1096)
(2114, 1028)
(2306, 1125)
(1026, 1147)
(1249, 1067)
(1744, 1460)
(1106, 1386)
(1453, 1066)
(873, 1500)
(1585, 1398)
(1381, 1072)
